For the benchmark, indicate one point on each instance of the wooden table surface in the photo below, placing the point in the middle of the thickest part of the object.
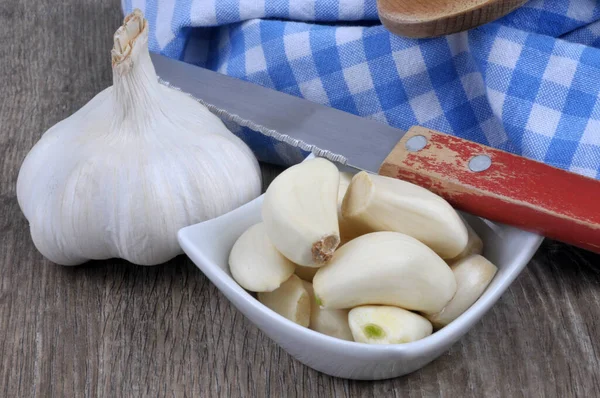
(113, 329)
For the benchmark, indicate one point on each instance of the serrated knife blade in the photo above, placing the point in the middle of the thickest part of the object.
(358, 142)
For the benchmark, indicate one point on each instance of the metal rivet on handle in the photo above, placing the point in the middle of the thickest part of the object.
(416, 143)
(480, 163)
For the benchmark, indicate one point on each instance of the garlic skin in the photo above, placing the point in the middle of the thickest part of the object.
(255, 264)
(333, 323)
(374, 324)
(138, 162)
(290, 300)
(473, 275)
(299, 212)
(387, 268)
(381, 203)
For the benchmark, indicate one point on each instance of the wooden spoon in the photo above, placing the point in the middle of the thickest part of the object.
(430, 18)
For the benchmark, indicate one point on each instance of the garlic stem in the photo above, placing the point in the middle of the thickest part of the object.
(136, 87)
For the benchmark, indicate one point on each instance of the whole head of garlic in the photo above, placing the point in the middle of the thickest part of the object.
(138, 162)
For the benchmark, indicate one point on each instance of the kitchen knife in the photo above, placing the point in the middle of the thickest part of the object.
(475, 178)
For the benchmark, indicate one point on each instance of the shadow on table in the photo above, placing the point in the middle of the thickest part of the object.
(569, 261)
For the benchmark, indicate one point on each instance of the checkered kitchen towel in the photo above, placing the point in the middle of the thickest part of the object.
(527, 83)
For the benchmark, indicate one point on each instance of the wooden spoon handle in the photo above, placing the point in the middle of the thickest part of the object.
(500, 186)
(431, 18)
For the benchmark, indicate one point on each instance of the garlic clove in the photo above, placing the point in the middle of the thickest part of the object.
(373, 324)
(348, 229)
(299, 212)
(474, 245)
(473, 274)
(255, 263)
(387, 204)
(385, 268)
(333, 323)
(290, 300)
(306, 273)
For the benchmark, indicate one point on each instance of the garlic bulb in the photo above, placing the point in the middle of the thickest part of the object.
(138, 162)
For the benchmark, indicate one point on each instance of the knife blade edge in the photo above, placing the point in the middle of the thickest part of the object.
(364, 143)
(224, 114)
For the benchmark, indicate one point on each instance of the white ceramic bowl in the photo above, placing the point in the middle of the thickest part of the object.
(208, 245)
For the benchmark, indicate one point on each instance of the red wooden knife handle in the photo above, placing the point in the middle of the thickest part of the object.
(512, 190)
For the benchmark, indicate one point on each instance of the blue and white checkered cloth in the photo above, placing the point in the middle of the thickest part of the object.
(528, 83)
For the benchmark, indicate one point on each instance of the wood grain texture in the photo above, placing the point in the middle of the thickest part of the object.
(431, 18)
(111, 329)
(513, 190)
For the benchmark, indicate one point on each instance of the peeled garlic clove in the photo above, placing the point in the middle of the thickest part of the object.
(388, 204)
(345, 179)
(290, 300)
(373, 324)
(474, 245)
(306, 273)
(385, 268)
(330, 322)
(473, 274)
(299, 212)
(348, 229)
(255, 263)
